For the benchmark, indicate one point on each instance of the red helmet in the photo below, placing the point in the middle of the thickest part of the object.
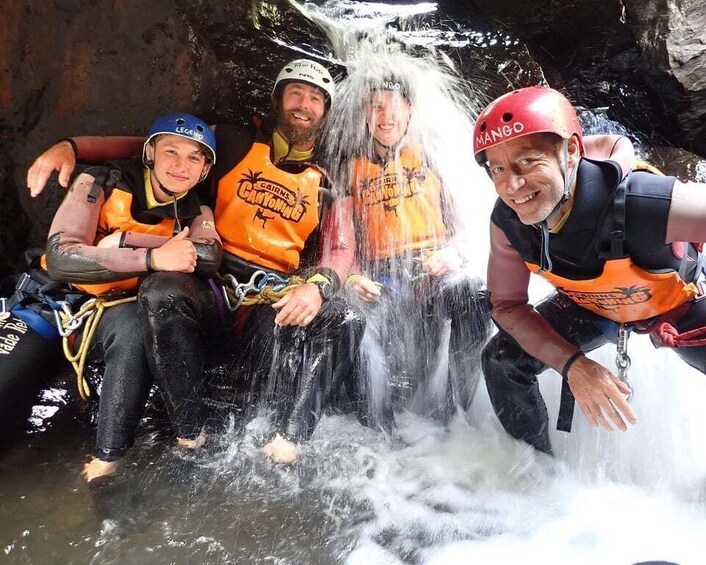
(535, 109)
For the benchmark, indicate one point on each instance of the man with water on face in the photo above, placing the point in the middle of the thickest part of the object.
(411, 260)
(271, 210)
(614, 246)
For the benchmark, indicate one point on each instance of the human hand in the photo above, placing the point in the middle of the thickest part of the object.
(59, 157)
(600, 394)
(112, 240)
(178, 254)
(367, 290)
(443, 261)
(298, 307)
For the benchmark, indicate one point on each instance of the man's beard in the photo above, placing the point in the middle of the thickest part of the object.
(295, 134)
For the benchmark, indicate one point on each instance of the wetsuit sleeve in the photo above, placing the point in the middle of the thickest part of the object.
(71, 254)
(148, 240)
(207, 242)
(616, 148)
(98, 149)
(687, 213)
(338, 239)
(508, 282)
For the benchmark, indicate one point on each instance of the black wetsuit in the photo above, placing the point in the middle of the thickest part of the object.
(119, 336)
(593, 233)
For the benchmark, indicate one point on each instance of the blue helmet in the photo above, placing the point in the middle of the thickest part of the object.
(183, 125)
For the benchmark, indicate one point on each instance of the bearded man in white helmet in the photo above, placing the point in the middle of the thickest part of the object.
(273, 209)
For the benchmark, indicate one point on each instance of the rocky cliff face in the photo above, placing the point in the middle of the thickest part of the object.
(109, 66)
(671, 37)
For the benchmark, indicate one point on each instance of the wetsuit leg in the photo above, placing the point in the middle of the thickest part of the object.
(465, 302)
(373, 366)
(126, 381)
(178, 311)
(303, 371)
(28, 362)
(511, 374)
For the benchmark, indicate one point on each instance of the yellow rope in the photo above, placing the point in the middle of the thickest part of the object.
(267, 295)
(93, 312)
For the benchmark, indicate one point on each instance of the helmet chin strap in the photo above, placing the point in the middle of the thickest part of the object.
(172, 195)
(545, 261)
(161, 186)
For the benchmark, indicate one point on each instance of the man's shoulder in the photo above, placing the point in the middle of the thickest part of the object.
(229, 135)
(644, 183)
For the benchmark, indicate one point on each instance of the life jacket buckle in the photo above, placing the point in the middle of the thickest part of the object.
(23, 282)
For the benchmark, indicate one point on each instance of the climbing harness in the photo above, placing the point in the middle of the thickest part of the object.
(622, 359)
(68, 322)
(262, 288)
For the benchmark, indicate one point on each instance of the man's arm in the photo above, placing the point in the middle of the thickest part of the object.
(597, 391)
(338, 245)
(508, 282)
(207, 242)
(687, 212)
(617, 148)
(62, 157)
(302, 305)
(71, 254)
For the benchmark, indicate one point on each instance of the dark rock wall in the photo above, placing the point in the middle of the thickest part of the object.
(671, 36)
(71, 67)
(84, 67)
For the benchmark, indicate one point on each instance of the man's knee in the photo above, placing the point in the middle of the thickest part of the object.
(502, 359)
(167, 293)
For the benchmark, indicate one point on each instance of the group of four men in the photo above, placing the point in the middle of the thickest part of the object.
(602, 237)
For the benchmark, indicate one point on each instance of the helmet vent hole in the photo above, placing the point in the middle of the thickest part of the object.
(484, 126)
(180, 121)
(199, 127)
(507, 117)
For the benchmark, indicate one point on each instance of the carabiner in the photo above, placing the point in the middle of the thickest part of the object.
(622, 359)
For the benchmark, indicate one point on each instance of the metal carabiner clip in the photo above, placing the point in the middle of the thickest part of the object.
(241, 290)
(622, 359)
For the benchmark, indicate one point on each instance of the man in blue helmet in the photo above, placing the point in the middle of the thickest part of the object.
(119, 223)
(272, 211)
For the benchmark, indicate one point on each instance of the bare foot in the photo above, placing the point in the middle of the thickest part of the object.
(281, 450)
(98, 469)
(193, 444)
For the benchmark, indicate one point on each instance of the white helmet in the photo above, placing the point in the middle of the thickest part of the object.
(306, 71)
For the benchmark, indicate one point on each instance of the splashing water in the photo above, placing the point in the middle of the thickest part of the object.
(398, 140)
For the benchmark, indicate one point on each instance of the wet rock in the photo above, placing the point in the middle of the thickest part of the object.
(671, 36)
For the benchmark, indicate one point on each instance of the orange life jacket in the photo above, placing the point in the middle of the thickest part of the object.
(398, 206)
(264, 214)
(115, 216)
(624, 292)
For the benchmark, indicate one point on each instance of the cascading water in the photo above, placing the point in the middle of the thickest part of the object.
(457, 493)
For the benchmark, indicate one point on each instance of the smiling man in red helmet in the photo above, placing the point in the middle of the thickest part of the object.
(611, 244)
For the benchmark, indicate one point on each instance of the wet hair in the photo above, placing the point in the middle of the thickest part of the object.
(393, 84)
